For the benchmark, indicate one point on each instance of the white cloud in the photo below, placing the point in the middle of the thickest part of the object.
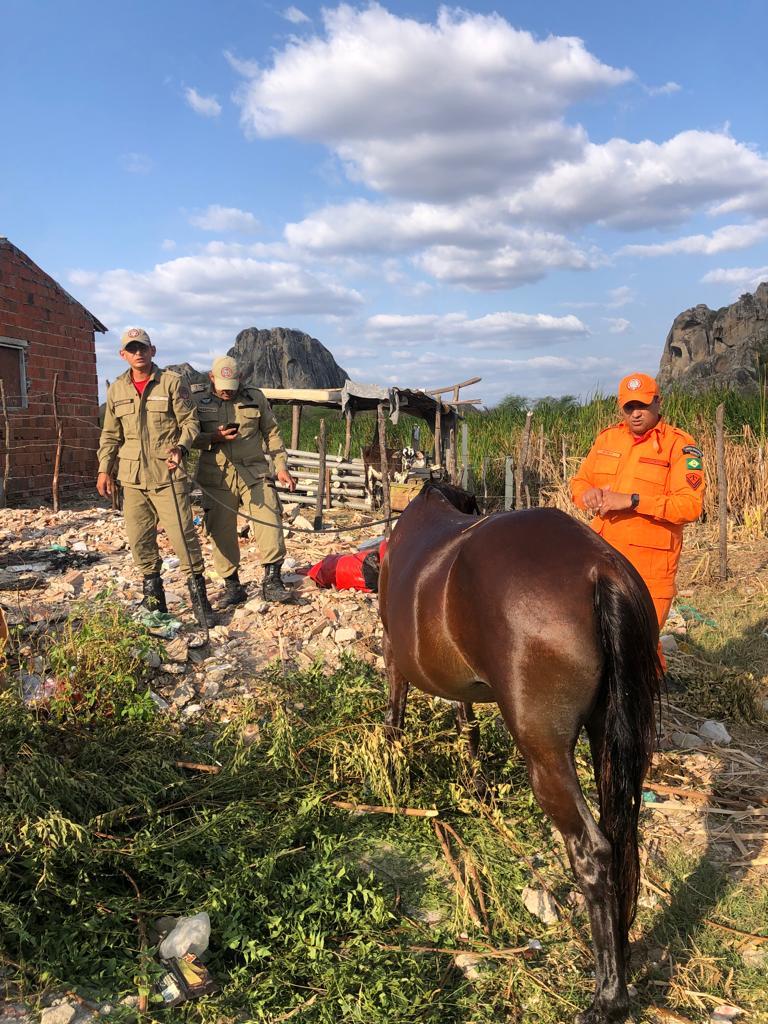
(724, 239)
(491, 98)
(494, 330)
(243, 66)
(527, 257)
(470, 244)
(741, 279)
(663, 90)
(617, 325)
(224, 218)
(167, 245)
(295, 16)
(641, 184)
(136, 163)
(206, 106)
(199, 303)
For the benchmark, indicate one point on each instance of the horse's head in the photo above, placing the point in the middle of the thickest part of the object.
(456, 496)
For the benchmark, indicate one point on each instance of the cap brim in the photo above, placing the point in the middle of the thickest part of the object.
(226, 383)
(646, 397)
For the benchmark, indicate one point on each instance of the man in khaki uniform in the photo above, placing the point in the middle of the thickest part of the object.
(237, 433)
(150, 424)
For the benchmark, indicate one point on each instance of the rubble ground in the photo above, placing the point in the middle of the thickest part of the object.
(51, 561)
(347, 880)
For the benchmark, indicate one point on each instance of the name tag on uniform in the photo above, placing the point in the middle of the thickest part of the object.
(654, 462)
(604, 451)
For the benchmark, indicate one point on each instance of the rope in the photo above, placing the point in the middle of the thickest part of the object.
(296, 529)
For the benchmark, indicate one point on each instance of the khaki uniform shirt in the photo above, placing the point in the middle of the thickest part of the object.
(257, 438)
(139, 431)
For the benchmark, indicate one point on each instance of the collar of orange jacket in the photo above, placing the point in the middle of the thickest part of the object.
(655, 433)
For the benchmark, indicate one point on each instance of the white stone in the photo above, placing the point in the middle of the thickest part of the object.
(467, 964)
(541, 904)
(714, 732)
(345, 635)
(725, 1012)
(684, 740)
(64, 1013)
(668, 644)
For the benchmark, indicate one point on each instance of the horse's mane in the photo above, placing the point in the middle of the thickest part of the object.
(462, 500)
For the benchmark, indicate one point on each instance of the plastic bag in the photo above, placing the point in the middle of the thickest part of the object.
(190, 935)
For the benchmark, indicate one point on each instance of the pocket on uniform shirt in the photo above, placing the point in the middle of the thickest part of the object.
(605, 468)
(651, 476)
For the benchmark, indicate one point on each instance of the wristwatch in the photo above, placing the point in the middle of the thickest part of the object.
(635, 499)
(185, 452)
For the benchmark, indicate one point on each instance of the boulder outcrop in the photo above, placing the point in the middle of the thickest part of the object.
(278, 358)
(727, 347)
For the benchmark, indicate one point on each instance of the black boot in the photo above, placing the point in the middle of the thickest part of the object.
(200, 603)
(272, 586)
(154, 595)
(234, 591)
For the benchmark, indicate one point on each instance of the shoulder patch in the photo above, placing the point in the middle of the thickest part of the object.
(691, 449)
(693, 463)
(694, 480)
(184, 394)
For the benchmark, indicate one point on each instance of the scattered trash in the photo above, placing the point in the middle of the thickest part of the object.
(171, 562)
(158, 623)
(36, 690)
(688, 611)
(541, 904)
(649, 797)
(726, 1012)
(189, 935)
(715, 732)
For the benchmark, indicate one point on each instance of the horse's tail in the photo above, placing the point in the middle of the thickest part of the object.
(629, 694)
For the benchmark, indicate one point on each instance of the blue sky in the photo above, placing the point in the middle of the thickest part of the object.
(527, 192)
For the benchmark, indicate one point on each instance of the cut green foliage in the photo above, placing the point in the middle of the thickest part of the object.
(318, 913)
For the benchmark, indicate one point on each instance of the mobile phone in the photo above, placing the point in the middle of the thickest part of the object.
(232, 426)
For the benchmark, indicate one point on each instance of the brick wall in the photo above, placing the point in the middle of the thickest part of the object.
(60, 338)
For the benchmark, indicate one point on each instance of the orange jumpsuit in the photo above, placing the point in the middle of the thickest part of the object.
(665, 468)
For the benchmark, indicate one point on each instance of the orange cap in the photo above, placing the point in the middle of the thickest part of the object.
(637, 387)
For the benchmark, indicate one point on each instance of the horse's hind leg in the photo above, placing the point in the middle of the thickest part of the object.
(467, 725)
(394, 720)
(556, 787)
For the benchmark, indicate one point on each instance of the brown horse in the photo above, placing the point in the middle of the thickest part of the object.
(535, 612)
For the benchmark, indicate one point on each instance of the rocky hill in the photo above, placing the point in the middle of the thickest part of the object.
(278, 358)
(726, 347)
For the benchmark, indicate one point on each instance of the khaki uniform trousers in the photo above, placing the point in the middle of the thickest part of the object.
(143, 509)
(257, 499)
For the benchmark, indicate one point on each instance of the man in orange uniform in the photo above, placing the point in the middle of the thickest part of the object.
(643, 480)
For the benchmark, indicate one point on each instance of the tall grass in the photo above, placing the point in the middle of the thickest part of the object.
(562, 432)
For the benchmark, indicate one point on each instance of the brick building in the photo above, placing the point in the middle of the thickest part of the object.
(44, 330)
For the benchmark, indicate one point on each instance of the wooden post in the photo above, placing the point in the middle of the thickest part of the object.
(464, 478)
(452, 460)
(59, 442)
(722, 492)
(509, 483)
(524, 445)
(295, 426)
(347, 433)
(318, 522)
(327, 486)
(386, 507)
(7, 442)
(439, 435)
